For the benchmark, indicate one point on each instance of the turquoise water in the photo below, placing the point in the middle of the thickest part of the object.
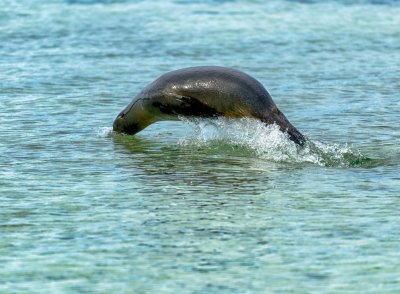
(199, 206)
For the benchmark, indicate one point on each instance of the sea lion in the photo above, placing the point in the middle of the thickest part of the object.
(206, 91)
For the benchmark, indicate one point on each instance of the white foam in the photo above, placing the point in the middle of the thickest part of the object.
(264, 141)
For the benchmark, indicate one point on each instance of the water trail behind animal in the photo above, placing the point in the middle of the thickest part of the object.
(269, 143)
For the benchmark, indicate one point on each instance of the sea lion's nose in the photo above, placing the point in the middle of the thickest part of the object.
(118, 123)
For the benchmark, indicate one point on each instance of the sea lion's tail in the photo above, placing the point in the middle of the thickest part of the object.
(275, 116)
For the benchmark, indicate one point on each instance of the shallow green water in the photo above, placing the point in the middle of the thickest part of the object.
(199, 206)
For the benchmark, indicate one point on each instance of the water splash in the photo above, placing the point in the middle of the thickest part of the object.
(104, 131)
(268, 142)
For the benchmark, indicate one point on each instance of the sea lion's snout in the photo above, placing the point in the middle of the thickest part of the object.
(118, 123)
(123, 125)
(129, 121)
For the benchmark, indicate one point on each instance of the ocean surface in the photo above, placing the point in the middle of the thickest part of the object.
(199, 206)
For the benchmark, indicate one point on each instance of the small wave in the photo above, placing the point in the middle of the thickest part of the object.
(268, 142)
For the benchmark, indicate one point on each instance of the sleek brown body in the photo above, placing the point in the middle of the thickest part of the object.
(207, 91)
